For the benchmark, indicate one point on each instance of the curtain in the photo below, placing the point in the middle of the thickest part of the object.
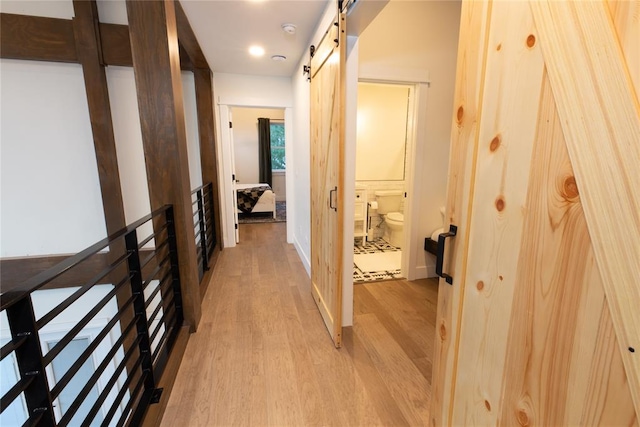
(264, 151)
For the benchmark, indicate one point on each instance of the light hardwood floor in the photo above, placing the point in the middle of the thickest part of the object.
(262, 355)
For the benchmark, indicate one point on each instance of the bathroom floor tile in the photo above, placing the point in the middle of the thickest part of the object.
(378, 245)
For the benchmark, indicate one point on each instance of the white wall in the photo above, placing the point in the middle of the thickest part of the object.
(51, 201)
(252, 91)
(245, 140)
(62, 9)
(128, 136)
(423, 47)
(191, 127)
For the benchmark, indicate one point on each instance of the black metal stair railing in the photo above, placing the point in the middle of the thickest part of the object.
(203, 224)
(133, 325)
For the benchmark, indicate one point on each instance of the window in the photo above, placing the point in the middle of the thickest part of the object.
(277, 146)
(61, 365)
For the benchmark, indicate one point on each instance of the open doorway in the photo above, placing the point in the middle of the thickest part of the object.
(384, 143)
(259, 160)
(240, 165)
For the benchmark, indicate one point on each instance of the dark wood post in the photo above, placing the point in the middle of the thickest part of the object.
(156, 64)
(207, 132)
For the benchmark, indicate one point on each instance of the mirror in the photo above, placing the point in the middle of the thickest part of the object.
(381, 131)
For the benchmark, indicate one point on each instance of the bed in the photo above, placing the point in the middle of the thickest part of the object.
(255, 198)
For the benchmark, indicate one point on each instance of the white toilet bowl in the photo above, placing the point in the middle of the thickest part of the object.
(436, 233)
(394, 222)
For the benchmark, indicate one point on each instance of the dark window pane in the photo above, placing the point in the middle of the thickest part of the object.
(277, 134)
(277, 146)
(277, 158)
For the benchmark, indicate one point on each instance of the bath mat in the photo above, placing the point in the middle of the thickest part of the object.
(380, 261)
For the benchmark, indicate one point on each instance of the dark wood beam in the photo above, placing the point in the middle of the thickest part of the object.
(188, 39)
(185, 61)
(50, 39)
(208, 156)
(87, 36)
(37, 38)
(156, 64)
(116, 46)
(15, 271)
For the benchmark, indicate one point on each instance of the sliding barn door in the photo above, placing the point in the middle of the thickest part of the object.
(327, 139)
(541, 324)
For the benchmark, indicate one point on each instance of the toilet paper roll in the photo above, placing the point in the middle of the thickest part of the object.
(435, 234)
(373, 205)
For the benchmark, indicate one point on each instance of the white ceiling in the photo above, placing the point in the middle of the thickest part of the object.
(226, 28)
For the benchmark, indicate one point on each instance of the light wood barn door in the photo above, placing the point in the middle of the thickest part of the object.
(541, 326)
(327, 139)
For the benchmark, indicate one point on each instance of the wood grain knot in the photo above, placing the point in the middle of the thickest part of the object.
(500, 204)
(487, 405)
(480, 285)
(570, 188)
(460, 114)
(495, 143)
(443, 332)
(632, 350)
(531, 41)
(501, 278)
(499, 47)
(523, 418)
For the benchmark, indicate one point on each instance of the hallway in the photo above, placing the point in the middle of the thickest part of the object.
(262, 355)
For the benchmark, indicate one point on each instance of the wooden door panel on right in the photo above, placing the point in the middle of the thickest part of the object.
(531, 332)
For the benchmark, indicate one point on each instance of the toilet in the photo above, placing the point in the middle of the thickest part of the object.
(435, 234)
(389, 206)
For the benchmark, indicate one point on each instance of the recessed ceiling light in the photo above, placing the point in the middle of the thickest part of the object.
(256, 51)
(289, 28)
(279, 58)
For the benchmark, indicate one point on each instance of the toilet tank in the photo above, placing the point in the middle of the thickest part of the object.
(388, 201)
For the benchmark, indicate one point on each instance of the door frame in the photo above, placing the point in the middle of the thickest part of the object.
(416, 140)
(225, 158)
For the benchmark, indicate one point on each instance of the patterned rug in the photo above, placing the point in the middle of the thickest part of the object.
(281, 215)
(377, 246)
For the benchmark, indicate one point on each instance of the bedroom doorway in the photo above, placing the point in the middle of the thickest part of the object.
(258, 151)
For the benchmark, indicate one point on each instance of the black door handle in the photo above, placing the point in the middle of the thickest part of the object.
(331, 193)
(453, 229)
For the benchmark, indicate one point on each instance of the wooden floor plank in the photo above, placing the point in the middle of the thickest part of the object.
(262, 355)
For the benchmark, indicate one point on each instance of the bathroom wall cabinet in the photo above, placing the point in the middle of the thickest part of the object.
(541, 324)
(360, 216)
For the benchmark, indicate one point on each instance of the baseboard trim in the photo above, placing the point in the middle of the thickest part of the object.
(425, 271)
(303, 257)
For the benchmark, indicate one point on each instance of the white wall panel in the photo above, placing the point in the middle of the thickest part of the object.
(62, 9)
(126, 127)
(191, 122)
(51, 201)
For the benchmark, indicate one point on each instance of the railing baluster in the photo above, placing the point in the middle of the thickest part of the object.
(203, 235)
(173, 250)
(22, 322)
(211, 214)
(142, 325)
